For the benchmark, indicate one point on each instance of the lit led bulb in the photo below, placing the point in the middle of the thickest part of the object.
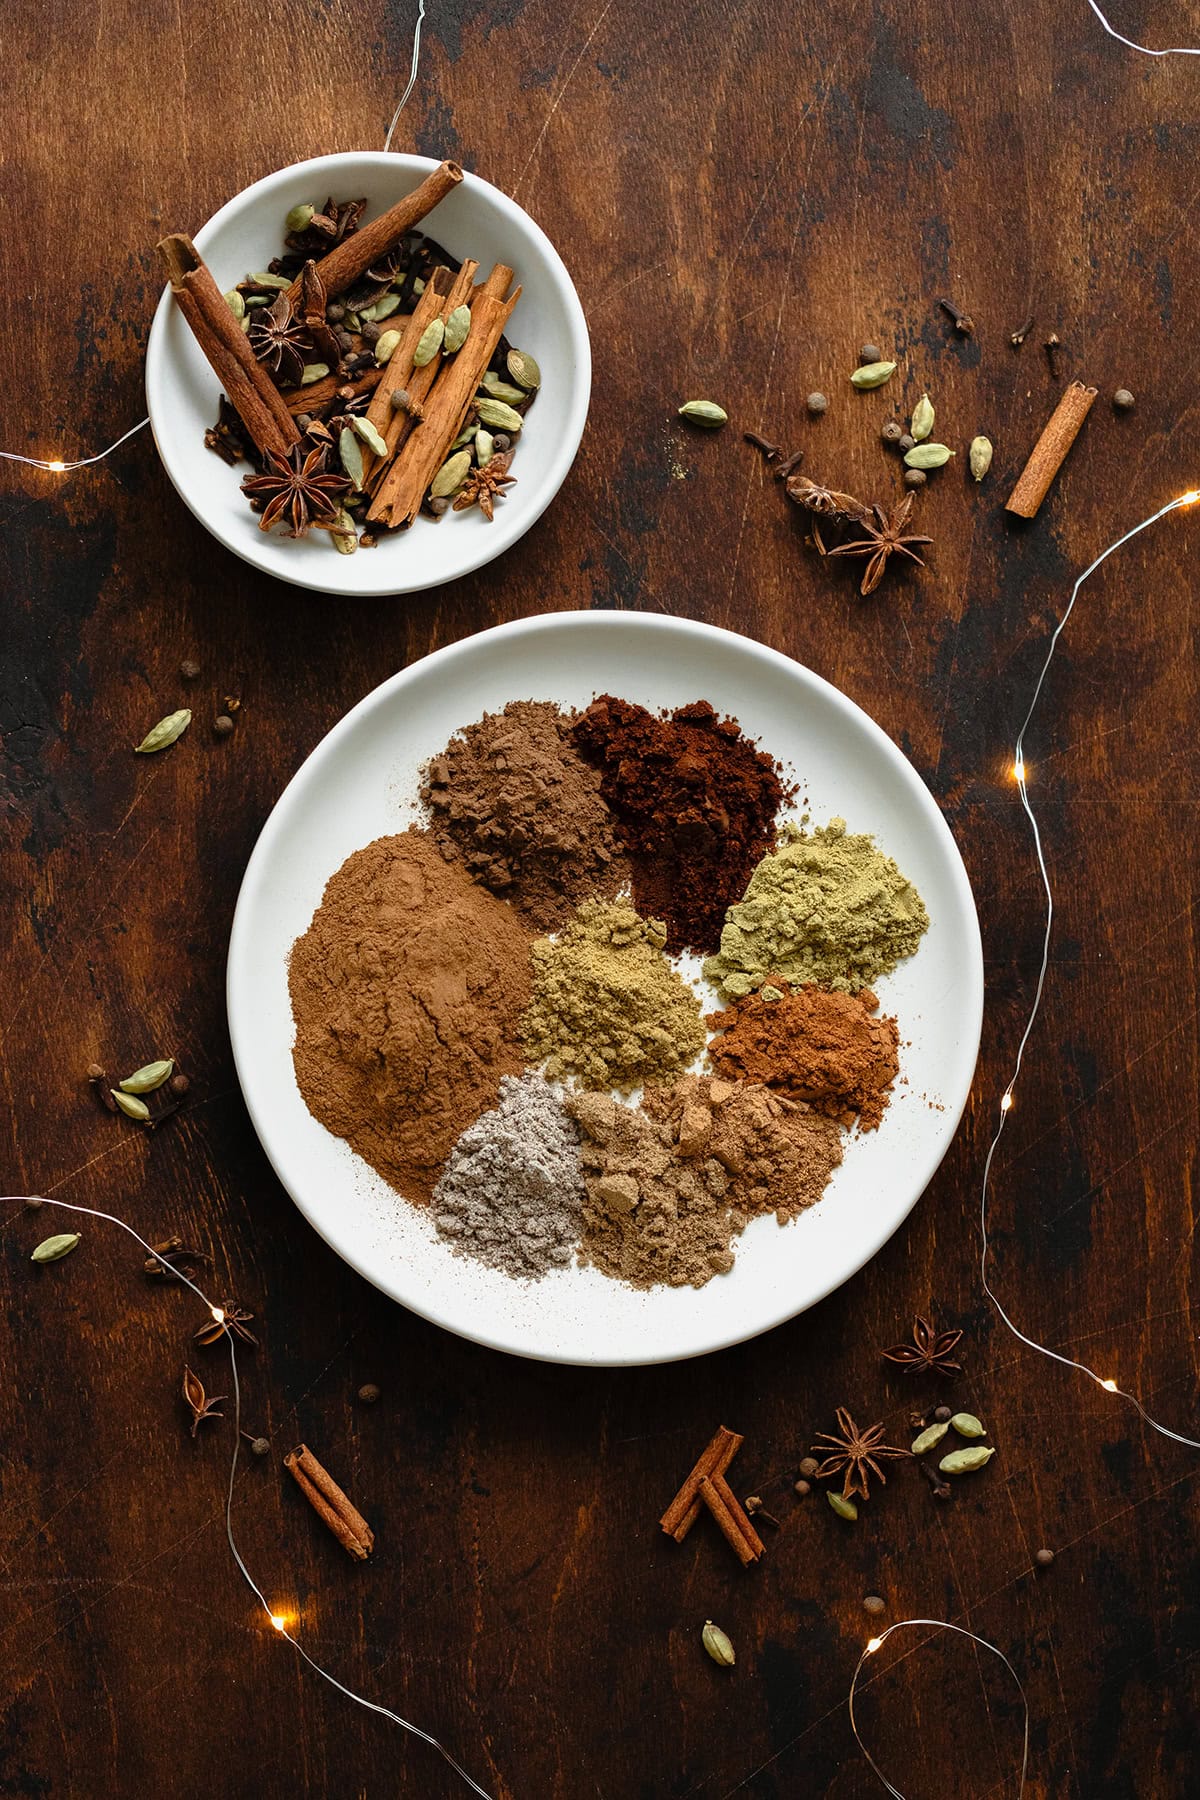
(1006, 1101)
(217, 1314)
(873, 1646)
(279, 1621)
(1018, 769)
(56, 467)
(1110, 1384)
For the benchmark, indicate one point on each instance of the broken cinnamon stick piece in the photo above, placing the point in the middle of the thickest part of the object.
(1049, 453)
(329, 1503)
(684, 1509)
(355, 254)
(317, 394)
(730, 1526)
(259, 404)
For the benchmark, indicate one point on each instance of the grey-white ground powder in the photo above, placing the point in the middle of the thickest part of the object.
(512, 1190)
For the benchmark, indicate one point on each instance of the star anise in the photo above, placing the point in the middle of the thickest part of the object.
(234, 1318)
(299, 486)
(824, 503)
(885, 537)
(854, 1452)
(197, 1401)
(483, 487)
(276, 338)
(929, 1353)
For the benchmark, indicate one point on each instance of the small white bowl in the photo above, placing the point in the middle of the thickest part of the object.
(476, 220)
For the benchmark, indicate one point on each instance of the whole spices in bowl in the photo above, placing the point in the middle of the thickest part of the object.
(367, 372)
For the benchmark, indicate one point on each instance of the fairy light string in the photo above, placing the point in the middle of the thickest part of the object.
(1176, 50)
(279, 1621)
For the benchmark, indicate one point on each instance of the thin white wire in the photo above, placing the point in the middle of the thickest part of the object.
(938, 1625)
(62, 468)
(1068, 1362)
(1177, 50)
(412, 74)
(92, 1212)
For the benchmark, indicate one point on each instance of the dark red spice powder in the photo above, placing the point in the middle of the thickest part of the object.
(695, 803)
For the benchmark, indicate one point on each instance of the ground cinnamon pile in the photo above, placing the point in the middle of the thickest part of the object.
(826, 1048)
(513, 799)
(407, 990)
(696, 804)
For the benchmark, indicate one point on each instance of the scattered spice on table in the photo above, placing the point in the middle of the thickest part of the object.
(827, 906)
(408, 990)
(607, 1008)
(512, 798)
(809, 1044)
(511, 1193)
(696, 802)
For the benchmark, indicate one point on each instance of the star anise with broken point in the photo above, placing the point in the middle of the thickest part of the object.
(483, 487)
(929, 1353)
(853, 1452)
(300, 487)
(885, 537)
(277, 339)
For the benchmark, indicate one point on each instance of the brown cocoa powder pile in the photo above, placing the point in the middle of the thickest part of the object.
(407, 990)
(512, 798)
(825, 1048)
(672, 1182)
(696, 804)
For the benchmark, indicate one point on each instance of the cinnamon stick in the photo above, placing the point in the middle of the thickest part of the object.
(729, 1524)
(684, 1509)
(737, 1512)
(396, 426)
(1048, 454)
(410, 472)
(320, 393)
(355, 254)
(330, 1503)
(259, 404)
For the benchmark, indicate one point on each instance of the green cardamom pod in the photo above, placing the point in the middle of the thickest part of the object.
(499, 416)
(351, 456)
(429, 343)
(717, 1645)
(980, 457)
(384, 307)
(236, 304)
(524, 370)
(933, 1434)
(927, 456)
(922, 419)
(352, 321)
(467, 435)
(341, 530)
(252, 300)
(963, 1462)
(51, 1248)
(313, 372)
(299, 217)
(496, 389)
(130, 1105)
(484, 446)
(845, 1509)
(265, 279)
(704, 412)
(369, 435)
(967, 1425)
(873, 375)
(450, 476)
(164, 733)
(457, 327)
(146, 1079)
(385, 347)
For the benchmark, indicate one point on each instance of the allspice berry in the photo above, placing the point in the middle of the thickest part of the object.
(816, 403)
(368, 1393)
(870, 353)
(892, 432)
(1044, 1558)
(95, 1072)
(189, 669)
(222, 724)
(906, 441)
(803, 1487)
(809, 1466)
(914, 478)
(1123, 400)
(873, 1603)
(179, 1085)
(942, 1414)
(260, 1446)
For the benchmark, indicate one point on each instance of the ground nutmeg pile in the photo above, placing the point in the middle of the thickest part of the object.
(491, 1008)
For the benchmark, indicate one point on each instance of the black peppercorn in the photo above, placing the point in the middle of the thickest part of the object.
(222, 724)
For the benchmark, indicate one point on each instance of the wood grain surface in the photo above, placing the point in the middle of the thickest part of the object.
(743, 195)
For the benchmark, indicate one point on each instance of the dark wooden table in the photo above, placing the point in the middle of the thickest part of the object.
(743, 195)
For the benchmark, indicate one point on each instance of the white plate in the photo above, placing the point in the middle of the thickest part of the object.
(359, 784)
(475, 220)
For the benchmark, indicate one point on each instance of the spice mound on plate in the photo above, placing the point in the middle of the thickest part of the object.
(826, 1048)
(608, 1009)
(828, 907)
(513, 799)
(512, 1191)
(408, 991)
(696, 802)
(671, 1183)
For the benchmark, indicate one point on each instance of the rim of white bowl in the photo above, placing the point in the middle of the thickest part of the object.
(510, 526)
(969, 998)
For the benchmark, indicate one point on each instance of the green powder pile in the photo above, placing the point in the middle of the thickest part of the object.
(607, 1008)
(827, 907)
